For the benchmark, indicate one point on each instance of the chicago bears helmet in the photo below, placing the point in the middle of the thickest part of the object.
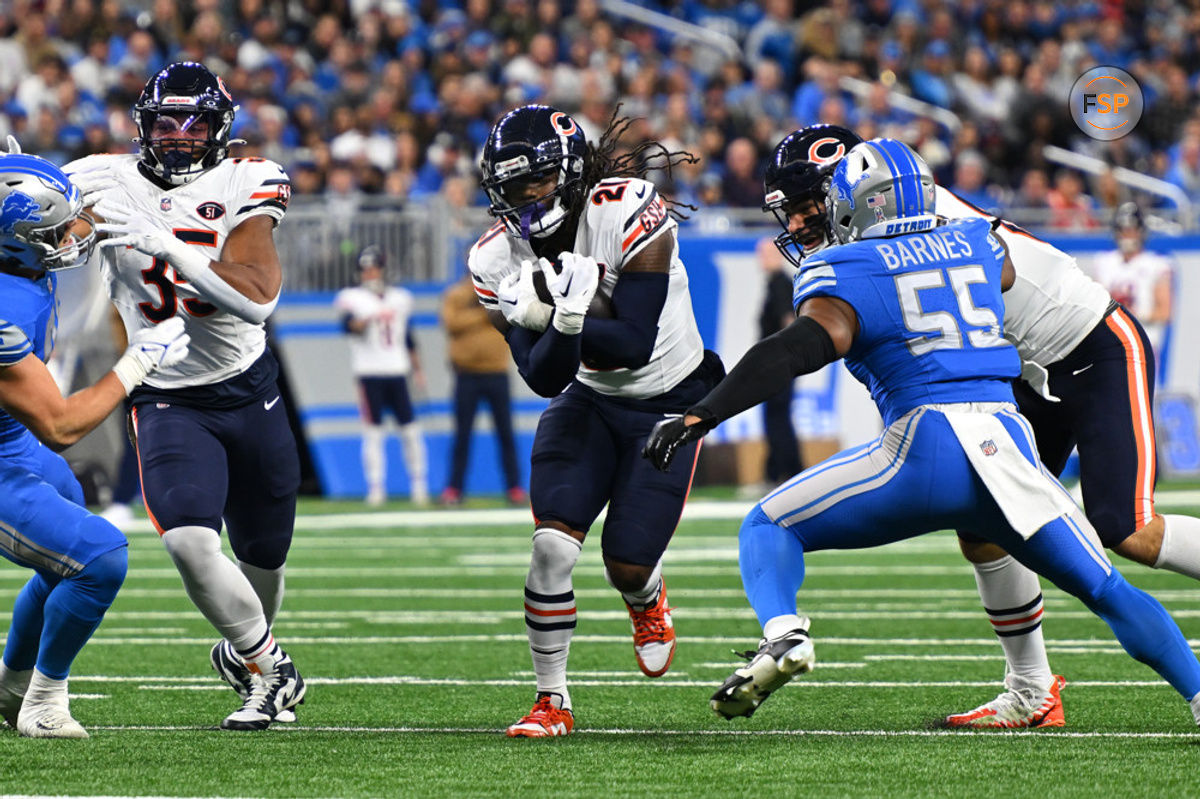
(881, 188)
(38, 208)
(797, 172)
(528, 145)
(183, 117)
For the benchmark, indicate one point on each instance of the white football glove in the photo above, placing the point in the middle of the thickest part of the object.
(151, 349)
(123, 229)
(93, 182)
(519, 301)
(572, 289)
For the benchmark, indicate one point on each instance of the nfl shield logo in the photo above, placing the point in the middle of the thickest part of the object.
(165, 203)
(988, 447)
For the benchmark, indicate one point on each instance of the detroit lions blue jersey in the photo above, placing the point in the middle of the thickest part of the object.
(929, 314)
(28, 319)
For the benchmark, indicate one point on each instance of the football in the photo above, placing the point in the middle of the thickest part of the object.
(601, 307)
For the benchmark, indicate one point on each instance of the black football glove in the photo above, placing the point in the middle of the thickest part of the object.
(670, 434)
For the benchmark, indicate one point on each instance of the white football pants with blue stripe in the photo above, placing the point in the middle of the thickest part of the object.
(917, 477)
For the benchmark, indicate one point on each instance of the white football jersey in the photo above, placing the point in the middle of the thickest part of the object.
(621, 216)
(147, 291)
(381, 350)
(1053, 305)
(1132, 283)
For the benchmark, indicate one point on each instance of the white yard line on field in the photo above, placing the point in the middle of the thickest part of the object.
(298, 728)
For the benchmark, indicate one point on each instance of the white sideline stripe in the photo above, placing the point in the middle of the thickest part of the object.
(190, 683)
(705, 510)
(297, 728)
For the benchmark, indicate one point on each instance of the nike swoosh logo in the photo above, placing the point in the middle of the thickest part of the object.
(269, 405)
(640, 194)
(567, 287)
(1084, 369)
(508, 302)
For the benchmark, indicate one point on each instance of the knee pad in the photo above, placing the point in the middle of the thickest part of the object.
(755, 520)
(554, 557)
(192, 548)
(105, 574)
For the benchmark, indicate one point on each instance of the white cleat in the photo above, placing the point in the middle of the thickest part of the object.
(770, 668)
(48, 720)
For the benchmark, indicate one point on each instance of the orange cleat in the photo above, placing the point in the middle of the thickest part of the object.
(544, 721)
(1022, 705)
(654, 636)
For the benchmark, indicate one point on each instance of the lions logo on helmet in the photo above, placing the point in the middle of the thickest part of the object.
(795, 182)
(38, 210)
(881, 188)
(529, 145)
(183, 116)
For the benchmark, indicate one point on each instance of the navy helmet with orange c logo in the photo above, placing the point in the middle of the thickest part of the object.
(797, 176)
(528, 145)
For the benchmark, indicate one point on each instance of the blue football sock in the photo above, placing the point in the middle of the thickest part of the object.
(772, 563)
(25, 633)
(74, 610)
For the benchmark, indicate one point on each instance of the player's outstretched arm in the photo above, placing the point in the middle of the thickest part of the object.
(823, 332)
(245, 281)
(28, 391)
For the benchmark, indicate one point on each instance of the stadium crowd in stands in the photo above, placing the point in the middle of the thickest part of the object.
(392, 97)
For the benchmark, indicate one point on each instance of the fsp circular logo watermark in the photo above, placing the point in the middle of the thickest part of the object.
(1106, 103)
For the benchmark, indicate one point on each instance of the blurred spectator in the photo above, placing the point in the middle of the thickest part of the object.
(480, 360)
(1070, 207)
(741, 185)
(970, 181)
(931, 81)
(1034, 191)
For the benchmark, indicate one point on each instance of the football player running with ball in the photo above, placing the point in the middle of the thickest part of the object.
(913, 303)
(578, 223)
(1087, 370)
(190, 237)
(78, 559)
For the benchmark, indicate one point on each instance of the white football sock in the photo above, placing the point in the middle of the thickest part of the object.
(413, 438)
(1180, 550)
(645, 596)
(780, 626)
(218, 589)
(1012, 597)
(374, 460)
(550, 609)
(268, 585)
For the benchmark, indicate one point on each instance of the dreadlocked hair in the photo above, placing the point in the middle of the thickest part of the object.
(602, 162)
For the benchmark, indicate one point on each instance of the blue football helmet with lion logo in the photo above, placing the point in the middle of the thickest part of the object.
(38, 210)
(527, 145)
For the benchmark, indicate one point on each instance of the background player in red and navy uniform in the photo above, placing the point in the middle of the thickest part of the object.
(78, 559)
(610, 236)
(191, 238)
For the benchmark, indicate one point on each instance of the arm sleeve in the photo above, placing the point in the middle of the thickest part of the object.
(347, 318)
(627, 341)
(409, 342)
(547, 361)
(768, 368)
